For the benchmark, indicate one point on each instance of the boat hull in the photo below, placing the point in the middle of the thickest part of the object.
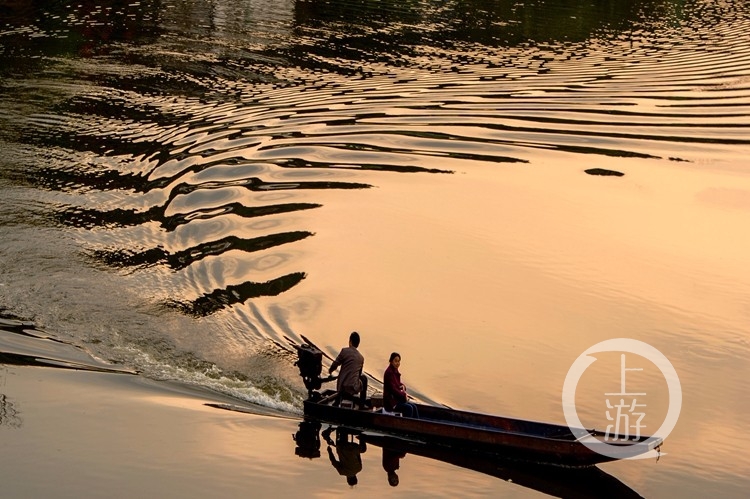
(460, 430)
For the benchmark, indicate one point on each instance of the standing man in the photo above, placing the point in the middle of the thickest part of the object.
(351, 380)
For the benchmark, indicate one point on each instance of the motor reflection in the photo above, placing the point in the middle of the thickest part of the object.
(308, 440)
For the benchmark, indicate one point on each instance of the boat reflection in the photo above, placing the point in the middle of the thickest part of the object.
(590, 482)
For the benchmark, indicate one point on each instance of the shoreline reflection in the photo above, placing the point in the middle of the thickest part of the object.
(9, 413)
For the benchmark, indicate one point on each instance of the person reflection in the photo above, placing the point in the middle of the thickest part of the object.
(391, 462)
(349, 461)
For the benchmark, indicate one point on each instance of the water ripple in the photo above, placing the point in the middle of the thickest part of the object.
(175, 134)
(191, 148)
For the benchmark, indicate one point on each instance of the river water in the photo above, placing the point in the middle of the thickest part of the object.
(188, 188)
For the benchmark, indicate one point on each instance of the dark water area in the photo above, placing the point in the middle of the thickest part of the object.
(188, 188)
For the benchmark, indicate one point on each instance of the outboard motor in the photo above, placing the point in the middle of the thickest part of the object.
(310, 364)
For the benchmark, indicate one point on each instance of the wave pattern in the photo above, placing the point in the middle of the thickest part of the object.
(194, 142)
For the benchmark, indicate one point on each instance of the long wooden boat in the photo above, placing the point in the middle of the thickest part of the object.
(514, 438)
(461, 430)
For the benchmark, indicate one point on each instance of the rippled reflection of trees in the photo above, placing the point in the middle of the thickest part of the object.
(481, 21)
(362, 29)
(9, 415)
